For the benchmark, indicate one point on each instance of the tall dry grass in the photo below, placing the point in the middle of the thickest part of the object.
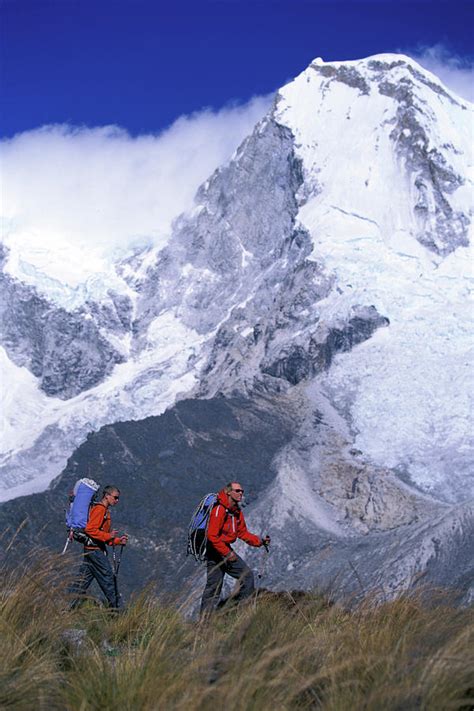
(31, 624)
(278, 652)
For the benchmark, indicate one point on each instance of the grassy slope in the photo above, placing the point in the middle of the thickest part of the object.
(274, 653)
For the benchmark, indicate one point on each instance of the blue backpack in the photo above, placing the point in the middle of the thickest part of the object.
(81, 499)
(197, 529)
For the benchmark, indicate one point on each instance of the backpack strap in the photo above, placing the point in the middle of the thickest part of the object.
(92, 541)
(106, 513)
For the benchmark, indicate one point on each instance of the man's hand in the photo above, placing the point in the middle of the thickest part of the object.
(230, 557)
(266, 541)
(124, 540)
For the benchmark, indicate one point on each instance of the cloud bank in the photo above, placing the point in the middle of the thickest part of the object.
(84, 196)
(457, 73)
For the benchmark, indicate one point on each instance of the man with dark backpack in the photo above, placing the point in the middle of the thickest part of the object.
(226, 524)
(96, 564)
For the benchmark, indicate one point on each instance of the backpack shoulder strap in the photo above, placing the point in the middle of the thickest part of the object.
(106, 513)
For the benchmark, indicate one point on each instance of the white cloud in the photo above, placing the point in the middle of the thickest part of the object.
(456, 72)
(70, 192)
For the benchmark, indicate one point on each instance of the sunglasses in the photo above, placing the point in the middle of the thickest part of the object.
(115, 497)
(238, 491)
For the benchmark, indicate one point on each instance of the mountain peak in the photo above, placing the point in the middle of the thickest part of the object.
(385, 129)
(374, 68)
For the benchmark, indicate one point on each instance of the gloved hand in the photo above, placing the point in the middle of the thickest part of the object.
(266, 541)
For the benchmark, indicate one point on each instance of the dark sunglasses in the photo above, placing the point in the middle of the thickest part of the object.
(115, 497)
(238, 491)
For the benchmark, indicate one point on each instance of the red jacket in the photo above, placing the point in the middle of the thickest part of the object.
(226, 524)
(98, 527)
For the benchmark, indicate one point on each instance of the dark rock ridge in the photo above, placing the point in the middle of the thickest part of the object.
(344, 74)
(297, 363)
(163, 466)
(65, 350)
(443, 229)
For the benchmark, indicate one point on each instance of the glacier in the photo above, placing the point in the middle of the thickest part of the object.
(408, 391)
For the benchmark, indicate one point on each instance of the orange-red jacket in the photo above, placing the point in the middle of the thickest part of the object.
(98, 527)
(226, 524)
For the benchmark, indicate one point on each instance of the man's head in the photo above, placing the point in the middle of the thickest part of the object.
(110, 495)
(235, 492)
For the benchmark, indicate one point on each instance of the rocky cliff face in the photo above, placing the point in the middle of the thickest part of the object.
(321, 278)
(68, 352)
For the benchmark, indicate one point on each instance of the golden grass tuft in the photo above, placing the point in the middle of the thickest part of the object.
(278, 652)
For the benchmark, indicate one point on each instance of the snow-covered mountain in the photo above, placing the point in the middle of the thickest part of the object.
(327, 266)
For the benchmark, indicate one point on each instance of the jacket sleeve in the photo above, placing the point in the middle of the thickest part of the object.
(96, 519)
(214, 530)
(245, 534)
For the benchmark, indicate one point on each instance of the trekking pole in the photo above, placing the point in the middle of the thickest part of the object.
(261, 572)
(119, 559)
(68, 539)
(116, 567)
(263, 566)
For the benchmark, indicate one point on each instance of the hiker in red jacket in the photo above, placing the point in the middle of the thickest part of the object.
(96, 564)
(226, 524)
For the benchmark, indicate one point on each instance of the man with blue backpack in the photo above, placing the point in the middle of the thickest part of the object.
(226, 523)
(96, 537)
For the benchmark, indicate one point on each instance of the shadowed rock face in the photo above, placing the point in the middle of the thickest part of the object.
(345, 75)
(297, 363)
(237, 239)
(441, 228)
(66, 351)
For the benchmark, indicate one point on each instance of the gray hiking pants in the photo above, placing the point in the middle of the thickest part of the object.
(217, 567)
(96, 566)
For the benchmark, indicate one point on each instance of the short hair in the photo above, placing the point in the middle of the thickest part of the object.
(109, 489)
(228, 487)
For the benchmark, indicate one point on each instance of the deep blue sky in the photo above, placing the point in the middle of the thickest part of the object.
(142, 63)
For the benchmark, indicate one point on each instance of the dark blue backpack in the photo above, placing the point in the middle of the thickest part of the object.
(197, 529)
